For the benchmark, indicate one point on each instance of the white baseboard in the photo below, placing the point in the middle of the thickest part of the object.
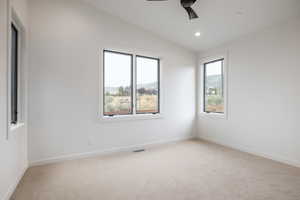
(276, 158)
(13, 187)
(104, 152)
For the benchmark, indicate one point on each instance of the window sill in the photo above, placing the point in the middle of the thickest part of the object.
(130, 117)
(14, 127)
(213, 115)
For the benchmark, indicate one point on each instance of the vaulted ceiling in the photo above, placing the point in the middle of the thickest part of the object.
(219, 21)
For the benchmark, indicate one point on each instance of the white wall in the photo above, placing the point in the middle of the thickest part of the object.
(66, 38)
(263, 95)
(13, 149)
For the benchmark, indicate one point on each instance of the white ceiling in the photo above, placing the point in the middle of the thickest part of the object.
(219, 20)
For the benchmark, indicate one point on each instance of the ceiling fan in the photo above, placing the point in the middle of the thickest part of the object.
(186, 4)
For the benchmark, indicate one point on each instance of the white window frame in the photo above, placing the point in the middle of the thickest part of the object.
(202, 62)
(15, 20)
(134, 115)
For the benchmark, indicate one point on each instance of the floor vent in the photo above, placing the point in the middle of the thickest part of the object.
(138, 150)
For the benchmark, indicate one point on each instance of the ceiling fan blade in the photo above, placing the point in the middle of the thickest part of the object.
(192, 14)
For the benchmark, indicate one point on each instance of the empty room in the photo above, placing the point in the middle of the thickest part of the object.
(149, 100)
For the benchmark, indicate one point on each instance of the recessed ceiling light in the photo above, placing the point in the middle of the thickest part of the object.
(197, 34)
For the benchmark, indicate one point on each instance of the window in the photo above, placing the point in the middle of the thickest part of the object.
(147, 86)
(14, 73)
(117, 83)
(213, 87)
(131, 84)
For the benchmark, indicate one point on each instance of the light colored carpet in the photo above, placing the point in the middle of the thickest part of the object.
(191, 170)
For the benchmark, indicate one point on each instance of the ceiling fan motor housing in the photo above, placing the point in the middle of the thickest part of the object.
(187, 3)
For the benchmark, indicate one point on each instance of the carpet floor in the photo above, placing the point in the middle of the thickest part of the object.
(190, 170)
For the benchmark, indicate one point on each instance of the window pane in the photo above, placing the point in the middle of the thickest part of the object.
(214, 98)
(117, 83)
(147, 89)
(14, 74)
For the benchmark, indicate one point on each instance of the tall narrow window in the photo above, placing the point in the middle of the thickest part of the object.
(14, 73)
(147, 85)
(214, 87)
(117, 83)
